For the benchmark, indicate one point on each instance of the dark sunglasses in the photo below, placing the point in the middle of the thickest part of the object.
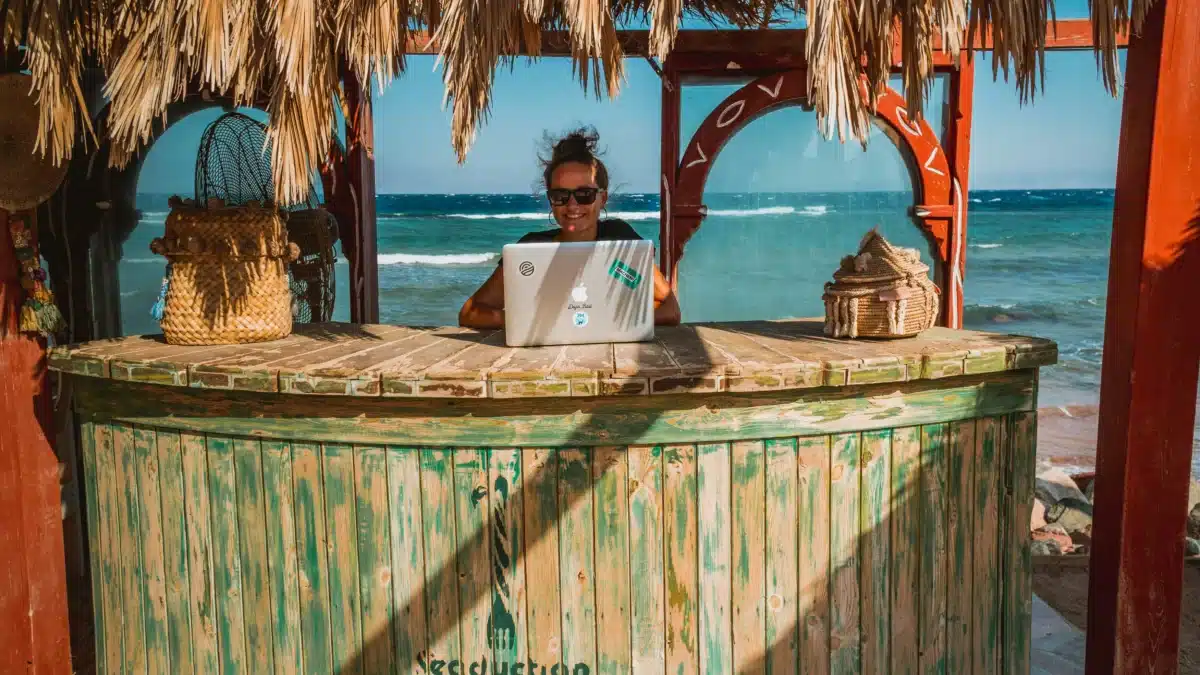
(583, 196)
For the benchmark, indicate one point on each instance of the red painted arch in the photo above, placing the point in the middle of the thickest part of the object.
(918, 143)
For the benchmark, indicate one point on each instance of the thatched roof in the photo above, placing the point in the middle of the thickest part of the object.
(153, 50)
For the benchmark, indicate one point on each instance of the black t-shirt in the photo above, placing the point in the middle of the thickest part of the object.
(612, 229)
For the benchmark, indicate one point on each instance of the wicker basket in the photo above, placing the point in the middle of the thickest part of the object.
(882, 292)
(228, 281)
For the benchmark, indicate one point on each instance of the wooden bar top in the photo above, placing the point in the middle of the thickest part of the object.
(375, 360)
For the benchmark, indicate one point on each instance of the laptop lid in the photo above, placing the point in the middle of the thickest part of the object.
(578, 292)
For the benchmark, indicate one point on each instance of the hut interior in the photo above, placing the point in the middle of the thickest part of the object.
(107, 77)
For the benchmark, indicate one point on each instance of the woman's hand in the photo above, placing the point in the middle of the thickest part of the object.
(485, 309)
(666, 305)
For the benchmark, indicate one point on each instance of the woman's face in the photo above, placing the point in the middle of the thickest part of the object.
(576, 200)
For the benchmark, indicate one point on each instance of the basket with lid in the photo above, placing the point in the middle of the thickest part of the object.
(883, 291)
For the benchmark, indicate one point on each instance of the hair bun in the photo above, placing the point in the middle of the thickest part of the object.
(579, 145)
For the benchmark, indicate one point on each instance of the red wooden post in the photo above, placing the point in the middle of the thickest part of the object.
(360, 174)
(958, 148)
(1151, 355)
(670, 166)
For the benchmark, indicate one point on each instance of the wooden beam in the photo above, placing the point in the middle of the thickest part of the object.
(360, 175)
(1151, 356)
(1066, 34)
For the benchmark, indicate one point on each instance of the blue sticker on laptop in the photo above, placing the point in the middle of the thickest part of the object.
(581, 319)
(625, 274)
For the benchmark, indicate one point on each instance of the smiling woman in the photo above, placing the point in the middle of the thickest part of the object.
(577, 189)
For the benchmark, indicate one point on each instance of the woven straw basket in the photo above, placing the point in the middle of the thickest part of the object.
(882, 292)
(228, 281)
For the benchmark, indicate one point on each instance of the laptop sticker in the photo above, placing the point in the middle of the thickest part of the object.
(625, 274)
(581, 319)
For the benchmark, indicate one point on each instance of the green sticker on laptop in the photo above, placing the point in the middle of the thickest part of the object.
(625, 274)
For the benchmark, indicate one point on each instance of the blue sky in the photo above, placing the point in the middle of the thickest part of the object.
(1067, 138)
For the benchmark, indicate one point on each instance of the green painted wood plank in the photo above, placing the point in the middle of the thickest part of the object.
(282, 563)
(681, 566)
(748, 495)
(345, 611)
(111, 508)
(153, 560)
(647, 420)
(812, 526)
(374, 558)
(845, 648)
(987, 599)
(1018, 584)
(441, 575)
(175, 550)
(610, 471)
(933, 542)
(646, 556)
(202, 611)
(543, 605)
(130, 571)
(103, 620)
(716, 558)
(577, 559)
(312, 546)
(906, 553)
(474, 552)
(227, 563)
(962, 532)
(876, 550)
(782, 562)
(256, 586)
(408, 557)
(507, 627)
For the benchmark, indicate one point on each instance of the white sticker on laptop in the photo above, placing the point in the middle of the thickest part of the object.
(581, 319)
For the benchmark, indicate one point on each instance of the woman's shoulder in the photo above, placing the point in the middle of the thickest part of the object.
(615, 228)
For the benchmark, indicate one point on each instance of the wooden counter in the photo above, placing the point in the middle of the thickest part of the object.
(360, 499)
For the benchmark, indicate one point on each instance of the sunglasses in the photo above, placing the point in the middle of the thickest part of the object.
(583, 196)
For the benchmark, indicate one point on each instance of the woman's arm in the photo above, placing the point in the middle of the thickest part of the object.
(666, 305)
(485, 309)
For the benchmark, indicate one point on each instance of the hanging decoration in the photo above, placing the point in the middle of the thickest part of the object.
(39, 314)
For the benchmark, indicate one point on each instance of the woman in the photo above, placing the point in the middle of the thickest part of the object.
(577, 187)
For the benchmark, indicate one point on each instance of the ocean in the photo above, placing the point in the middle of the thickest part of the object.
(1037, 261)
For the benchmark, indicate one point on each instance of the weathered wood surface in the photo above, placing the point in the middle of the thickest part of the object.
(885, 551)
(392, 361)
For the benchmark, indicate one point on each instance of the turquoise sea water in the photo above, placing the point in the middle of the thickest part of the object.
(1037, 261)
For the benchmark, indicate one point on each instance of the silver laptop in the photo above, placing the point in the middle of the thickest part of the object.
(578, 292)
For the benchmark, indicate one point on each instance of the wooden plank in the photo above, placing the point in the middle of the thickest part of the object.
(1018, 584)
(153, 560)
(541, 561)
(508, 628)
(876, 551)
(175, 550)
(587, 421)
(585, 366)
(845, 649)
(783, 562)
(961, 531)
(312, 545)
(282, 558)
(345, 611)
(201, 564)
(906, 498)
(88, 444)
(374, 558)
(614, 586)
(344, 368)
(812, 526)
(681, 566)
(453, 367)
(986, 537)
(408, 557)
(752, 366)
(577, 559)
(472, 523)
(111, 553)
(715, 534)
(646, 558)
(131, 574)
(441, 577)
(252, 536)
(227, 563)
(527, 372)
(934, 580)
(748, 503)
